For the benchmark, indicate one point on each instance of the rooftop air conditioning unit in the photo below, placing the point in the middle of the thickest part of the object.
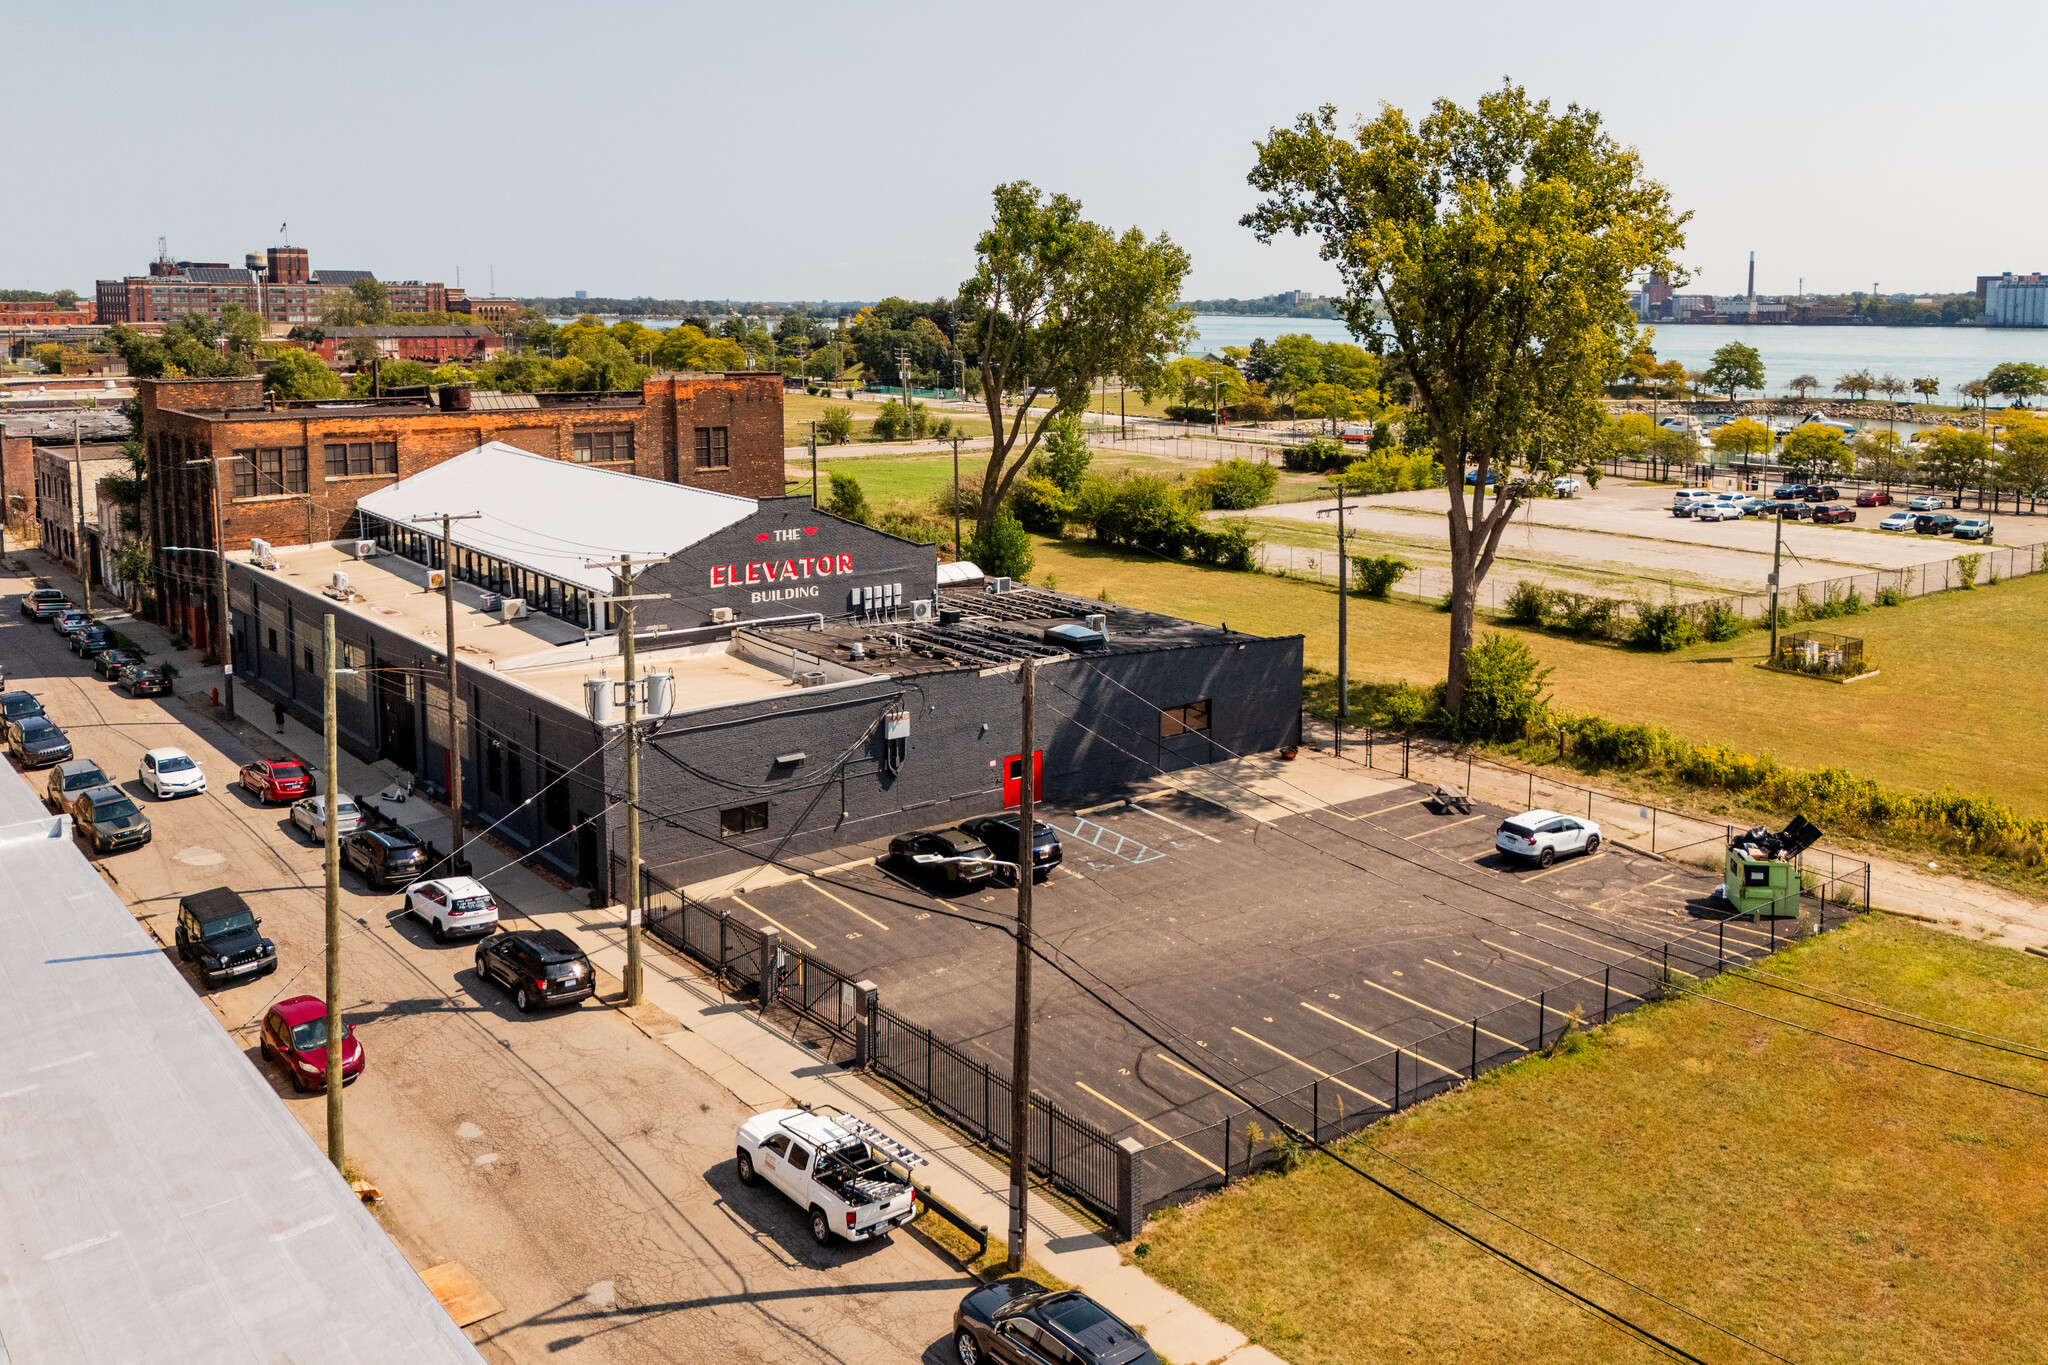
(493, 602)
(921, 610)
(815, 678)
(339, 586)
(999, 585)
(721, 615)
(515, 609)
(367, 549)
(437, 579)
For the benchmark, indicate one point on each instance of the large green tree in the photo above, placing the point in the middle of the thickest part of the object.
(1491, 249)
(2018, 380)
(1735, 366)
(1814, 450)
(1055, 303)
(299, 374)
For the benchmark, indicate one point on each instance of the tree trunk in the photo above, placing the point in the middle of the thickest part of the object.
(1474, 535)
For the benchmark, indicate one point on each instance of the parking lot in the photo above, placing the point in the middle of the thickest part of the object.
(1294, 952)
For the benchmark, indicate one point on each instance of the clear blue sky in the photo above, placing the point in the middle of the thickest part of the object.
(790, 151)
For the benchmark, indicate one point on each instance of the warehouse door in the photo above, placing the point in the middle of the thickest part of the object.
(396, 733)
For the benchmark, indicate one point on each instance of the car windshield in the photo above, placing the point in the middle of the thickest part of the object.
(176, 763)
(311, 1034)
(91, 777)
(229, 924)
(35, 727)
(147, 674)
(119, 808)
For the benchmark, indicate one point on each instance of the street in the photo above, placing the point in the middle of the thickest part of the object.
(580, 1168)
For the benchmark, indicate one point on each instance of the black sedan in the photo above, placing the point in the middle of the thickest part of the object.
(1016, 1322)
(36, 742)
(999, 832)
(956, 859)
(108, 663)
(145, 680)
(1934, 523)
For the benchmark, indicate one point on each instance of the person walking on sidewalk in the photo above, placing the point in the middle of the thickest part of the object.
(277, 710)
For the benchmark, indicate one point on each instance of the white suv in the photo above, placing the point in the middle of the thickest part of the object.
(452, 906)
(1686, 501)
(166, 773)
(1541, 835)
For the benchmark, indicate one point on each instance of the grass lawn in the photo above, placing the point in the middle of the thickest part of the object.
(921, 476)
(1957, 700)
(1828, 1203)
(800, 409)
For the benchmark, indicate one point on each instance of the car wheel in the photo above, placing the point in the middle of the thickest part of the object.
(440, 932)
(1592, 845)
(1546, 857)
(523, 1000)
(298, 1081)
(821, 1231)
(743, 1165)
(966, 1347)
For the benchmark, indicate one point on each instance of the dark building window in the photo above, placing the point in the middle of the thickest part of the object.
(270, 470)
(743, 819)
(309, 661)
(515, 777)
(295, 469)
(385, 458)
(603, 446)
(337, 461)
(245, 473)
(494, 767)
(555, 809)
(362, 457)
(713, 451)
(1181, 720)
(273, 642)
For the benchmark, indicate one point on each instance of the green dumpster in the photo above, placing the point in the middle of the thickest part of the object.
(1762, 888)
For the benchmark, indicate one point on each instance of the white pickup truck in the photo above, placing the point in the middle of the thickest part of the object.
(852, 1178)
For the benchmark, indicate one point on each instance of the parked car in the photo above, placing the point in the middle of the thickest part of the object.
(1686, 501)
(36, 742)
(166, 773)
(1873, 497)
(1927, 503)
(1934, 523)
(849, 1177)
(295, 1034)
(452, 906)
(1789, 509)
(1972, 528)
(1017, 1320)
(1472, 477)
(1821, 492)
(275, 779)
(1789, 490)
(1898, 521)
(145, 680)
(70, 778)
(90, 641)
(40, 604)
(1833, 514)
(109, 818)
(927, 849)
(1754, 506)
(68, 620)
(541, 967)
(384, 858)
(108, 663)
(999, 832)
(19, 705)
(1564, 486)
(1541, 836)
(1717, 511)
(309, 813)
(217, 932)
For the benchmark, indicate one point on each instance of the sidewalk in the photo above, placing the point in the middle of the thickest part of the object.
(727, 1040)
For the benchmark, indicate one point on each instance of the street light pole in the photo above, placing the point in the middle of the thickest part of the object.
(1020, 1054)
(1343, 626)
(957, 555)
(331, 779)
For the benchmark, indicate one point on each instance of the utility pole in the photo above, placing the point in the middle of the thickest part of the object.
(903, 376)
(1020, 1053)
(78, 463)
(814, 466)
(457, 864)
(1343, 625)
(337, 1037)
(623, 567)
(957, 555)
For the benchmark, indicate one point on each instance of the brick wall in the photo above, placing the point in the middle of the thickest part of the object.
(747, 406)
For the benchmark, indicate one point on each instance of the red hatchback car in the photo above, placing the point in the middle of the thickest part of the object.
(1833, 513)
(276, 779)
(1873, 497)
(295, 1033)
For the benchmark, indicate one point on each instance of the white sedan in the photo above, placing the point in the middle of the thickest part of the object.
(452, 906)
(310, 814)
(166, 773)
(1898, 521)
(1542, 836)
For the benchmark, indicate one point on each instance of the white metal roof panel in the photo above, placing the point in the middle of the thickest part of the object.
(554, 516)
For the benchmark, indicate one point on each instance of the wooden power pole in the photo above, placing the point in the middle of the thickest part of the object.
(457, 864)
(1020, 1056)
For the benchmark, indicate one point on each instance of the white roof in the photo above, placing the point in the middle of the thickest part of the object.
(554, 516)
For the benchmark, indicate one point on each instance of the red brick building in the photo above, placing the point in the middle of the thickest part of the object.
(291, 475)
(428, 345)
(279, 284)
(43, 313)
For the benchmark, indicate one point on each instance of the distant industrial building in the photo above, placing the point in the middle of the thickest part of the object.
(428, 345)
(43, 313)
(279, 285)
(59, 485)
(2014, 300)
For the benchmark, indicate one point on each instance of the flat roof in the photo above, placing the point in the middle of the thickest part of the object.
(556, 516)
(157, 1201)
(543, 654)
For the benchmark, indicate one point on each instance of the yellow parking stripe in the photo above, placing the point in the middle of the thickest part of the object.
(1305, 1066)
(1433, 829)
(791, 932)
(1160, 1132)
(1441, 1015)
(1224, 1089)
(1639, 957)
(1559, 867)
(830, 897)
(1383, 1042)
(1559, 970)
(1478, 981)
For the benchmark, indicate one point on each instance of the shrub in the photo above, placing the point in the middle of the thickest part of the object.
(1313, 456)
(1237, 485)
(1377, 574)
(1527, 604)
(1504, 693)
(1228, 544)
(836, 426)
(1404, 707)
(1584, 615)
(847, 500)
(892, 423)
(1661, 625)
(1254, 407)
(1041, 506)
(1720, 622)
(1065, 457)
(1002, 549)
(1142, 511)
(1183, 412)
(942, 428)
(1966, 569)
(1891, 597)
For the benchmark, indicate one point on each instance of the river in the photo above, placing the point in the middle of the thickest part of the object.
(1949, 354)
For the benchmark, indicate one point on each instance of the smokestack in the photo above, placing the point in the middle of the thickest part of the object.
(1752, 275)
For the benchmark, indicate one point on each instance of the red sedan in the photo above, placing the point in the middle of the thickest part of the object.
(276, 779)
(1873, 497)
(295, 1033)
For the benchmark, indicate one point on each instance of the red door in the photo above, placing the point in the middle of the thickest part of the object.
(1013, 778)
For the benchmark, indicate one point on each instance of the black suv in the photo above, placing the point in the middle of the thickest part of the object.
(107, 817)
(217, 930)
(44, 603)
(999, 832)
(384, 858)
(18, 705)
(36, 742)
(92, 640)
(540, 967)
(1016, 1322)
(71, 777)
(941, 847)
(1934, 523)
(108, 663)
